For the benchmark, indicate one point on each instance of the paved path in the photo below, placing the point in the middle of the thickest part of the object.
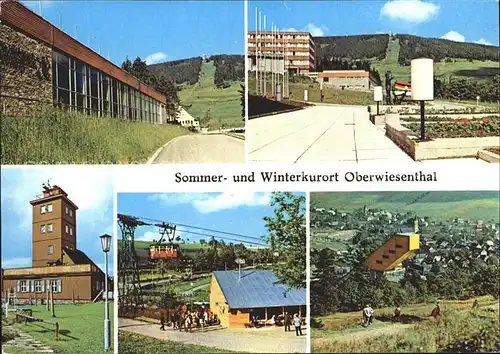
(200, 148)
(22, 341)
(322, 133)
(260, 340)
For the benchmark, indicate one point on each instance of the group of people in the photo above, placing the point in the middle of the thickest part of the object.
(188, 320)
(285, 319)
(368, 313)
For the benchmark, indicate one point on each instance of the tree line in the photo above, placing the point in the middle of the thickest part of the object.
(354, 47)
(160, 83)
(413, 47)
(179, 71)
(462, 89)
(228, 68)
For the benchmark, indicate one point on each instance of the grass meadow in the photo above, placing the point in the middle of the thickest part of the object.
(81, 328)
(54, 136)
(459, 329)
(202, 98)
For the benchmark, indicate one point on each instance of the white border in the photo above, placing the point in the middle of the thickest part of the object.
(115, 271)
(308, 271)
(245, 29)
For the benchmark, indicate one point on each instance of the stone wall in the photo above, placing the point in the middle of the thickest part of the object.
(25, 72)
(401, 137)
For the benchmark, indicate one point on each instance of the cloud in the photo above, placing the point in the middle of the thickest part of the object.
(315, 30)
(148, 236)
(415, 11)
(483, 41)
(20, 262)
(158, 57)
(90, 188)
(226, 201)
(454, 36)
(311, 28)
(212, 202)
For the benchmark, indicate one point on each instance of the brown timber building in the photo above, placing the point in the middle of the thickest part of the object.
(56, 262)
(41, 65)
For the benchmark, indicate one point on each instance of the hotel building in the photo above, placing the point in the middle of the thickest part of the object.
(279, 51)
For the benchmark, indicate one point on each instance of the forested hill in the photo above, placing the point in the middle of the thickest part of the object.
(373, 46)
(436, 48)
(228, 68)
(179, 71)
(352, 47)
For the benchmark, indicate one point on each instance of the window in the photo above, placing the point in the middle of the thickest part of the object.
(49, 208)
(70, 212)
(67, 210)
(23, 286)
(49, 227)
(50, 250)
(43, 209)
(56, 286)
(67, 229)
(38, 286)
(71, 231)
(43, 228)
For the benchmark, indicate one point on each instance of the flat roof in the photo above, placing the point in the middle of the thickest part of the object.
(20, 17)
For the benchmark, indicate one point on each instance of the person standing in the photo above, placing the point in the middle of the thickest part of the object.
(288, 322)
(297, 323)
(162, 321)
(368, 314)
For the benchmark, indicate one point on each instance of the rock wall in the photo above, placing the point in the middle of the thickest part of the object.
(25, 73)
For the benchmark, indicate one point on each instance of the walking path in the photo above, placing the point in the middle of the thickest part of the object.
(322, 133)
(202, 148)
(256, 340)
(22, 341)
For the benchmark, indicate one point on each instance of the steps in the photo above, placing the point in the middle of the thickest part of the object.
(394, 252)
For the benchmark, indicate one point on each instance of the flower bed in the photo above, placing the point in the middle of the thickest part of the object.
(432, 118)
(463, 128)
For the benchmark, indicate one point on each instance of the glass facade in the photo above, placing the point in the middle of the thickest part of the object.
(82, 88)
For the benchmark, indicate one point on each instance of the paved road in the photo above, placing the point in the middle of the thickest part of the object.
(320, 134)
(256, 340)
(200, 148)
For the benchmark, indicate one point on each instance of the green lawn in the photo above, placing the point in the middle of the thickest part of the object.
(81, 328)
(459, 68)
(223, 105)
(331, 95)
(440, 205)
(53, 136)
(186, 286)
(137, 344)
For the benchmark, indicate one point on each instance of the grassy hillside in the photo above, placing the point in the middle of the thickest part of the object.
(439, 205)
(476, 69)
(179, 71)
(459, 329)
(221, 106)
(451, 59)
(53, 136)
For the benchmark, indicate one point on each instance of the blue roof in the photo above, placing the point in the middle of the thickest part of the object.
(257, 288)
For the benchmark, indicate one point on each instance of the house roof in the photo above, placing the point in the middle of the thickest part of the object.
(257, 288)
(79, 257)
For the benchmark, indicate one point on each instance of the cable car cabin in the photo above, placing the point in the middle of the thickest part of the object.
(163, 251)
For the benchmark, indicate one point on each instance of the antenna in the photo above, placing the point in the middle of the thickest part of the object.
(239, 261)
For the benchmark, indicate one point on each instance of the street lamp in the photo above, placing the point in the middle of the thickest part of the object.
(106, 245)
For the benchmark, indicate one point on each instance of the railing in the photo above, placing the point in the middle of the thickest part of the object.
(28, 318)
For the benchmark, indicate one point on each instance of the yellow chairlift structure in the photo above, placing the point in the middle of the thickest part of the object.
(392, 253)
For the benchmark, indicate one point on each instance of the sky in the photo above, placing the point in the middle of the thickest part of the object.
(157, 31)
(90, 188)
(462, 21)
(240, 213)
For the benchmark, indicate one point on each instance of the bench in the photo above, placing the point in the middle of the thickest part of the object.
(20, 317)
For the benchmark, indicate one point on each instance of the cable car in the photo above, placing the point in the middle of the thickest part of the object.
(166, 251)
